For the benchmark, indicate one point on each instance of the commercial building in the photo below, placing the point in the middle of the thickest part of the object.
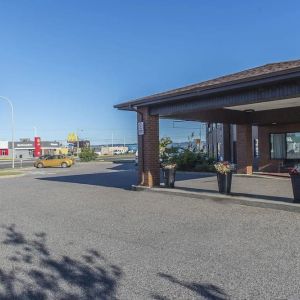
(25, 148)
(267, 97)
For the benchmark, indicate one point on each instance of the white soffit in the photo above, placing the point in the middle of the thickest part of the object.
(276, 104)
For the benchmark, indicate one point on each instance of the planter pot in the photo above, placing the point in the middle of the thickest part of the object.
(296, 187)
(169, 177)
(224, 182)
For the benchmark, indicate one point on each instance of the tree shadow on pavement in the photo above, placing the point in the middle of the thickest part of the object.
(203, 290)
(32, 272)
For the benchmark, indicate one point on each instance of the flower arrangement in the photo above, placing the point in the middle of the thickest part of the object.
(223, 167)
(167, 165)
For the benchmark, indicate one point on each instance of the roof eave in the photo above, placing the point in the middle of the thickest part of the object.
(243, 83)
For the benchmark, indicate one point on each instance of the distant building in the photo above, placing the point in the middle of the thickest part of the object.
(25, 148)
(84, 144)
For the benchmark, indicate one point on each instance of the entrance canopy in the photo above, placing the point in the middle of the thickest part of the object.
(264, 95)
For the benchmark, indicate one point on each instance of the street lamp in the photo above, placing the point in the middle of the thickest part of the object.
(12, 129)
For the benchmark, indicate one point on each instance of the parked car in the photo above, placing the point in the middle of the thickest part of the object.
(118, 152)
(53, 161)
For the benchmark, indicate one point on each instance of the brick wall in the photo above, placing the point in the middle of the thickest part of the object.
(244, 149)
(265, 163)
(149, 170)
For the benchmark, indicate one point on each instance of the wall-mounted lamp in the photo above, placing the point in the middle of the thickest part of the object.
(249, 110)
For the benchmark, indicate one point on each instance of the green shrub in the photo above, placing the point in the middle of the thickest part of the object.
(87, 154)
(193, 161)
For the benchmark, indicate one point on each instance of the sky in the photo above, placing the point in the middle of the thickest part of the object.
(65, 63)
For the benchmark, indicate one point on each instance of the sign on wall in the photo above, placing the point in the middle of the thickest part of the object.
(140, 128)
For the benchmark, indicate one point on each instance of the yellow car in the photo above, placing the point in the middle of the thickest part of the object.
(53, 161)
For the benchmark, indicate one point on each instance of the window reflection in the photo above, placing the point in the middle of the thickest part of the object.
(293, 145)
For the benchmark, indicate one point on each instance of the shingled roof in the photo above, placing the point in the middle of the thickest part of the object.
(246, 75)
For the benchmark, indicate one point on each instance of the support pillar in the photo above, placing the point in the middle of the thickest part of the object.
(244, 149)
(148, 150)
(226, 142)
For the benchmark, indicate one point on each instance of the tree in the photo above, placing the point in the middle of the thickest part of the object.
(87, 154)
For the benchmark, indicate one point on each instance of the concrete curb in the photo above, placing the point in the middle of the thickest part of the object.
(292, 207)
(12, 176)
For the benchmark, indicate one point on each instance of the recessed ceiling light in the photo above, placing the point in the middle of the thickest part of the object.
(249, 110)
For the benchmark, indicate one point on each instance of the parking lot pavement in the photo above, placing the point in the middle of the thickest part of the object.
(81, 233)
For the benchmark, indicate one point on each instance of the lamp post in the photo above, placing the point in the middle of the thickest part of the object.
(12, 128)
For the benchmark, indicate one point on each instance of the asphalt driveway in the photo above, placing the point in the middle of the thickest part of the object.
(81, 233)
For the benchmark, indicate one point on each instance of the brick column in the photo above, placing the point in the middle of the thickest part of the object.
(244, 149)
(148, 145)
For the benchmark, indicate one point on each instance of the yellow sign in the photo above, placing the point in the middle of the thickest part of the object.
(72, 137)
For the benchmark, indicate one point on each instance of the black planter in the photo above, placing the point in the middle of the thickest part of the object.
(224, 182)
(296, 187)
(169, 177)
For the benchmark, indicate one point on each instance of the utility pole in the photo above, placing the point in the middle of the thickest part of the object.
(112, 139)
(12, 129)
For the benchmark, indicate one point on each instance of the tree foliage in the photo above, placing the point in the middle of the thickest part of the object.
(87, 154)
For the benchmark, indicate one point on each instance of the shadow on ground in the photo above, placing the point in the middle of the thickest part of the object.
(32, 272)
(203, 290)
(124, 175)
(121, 175)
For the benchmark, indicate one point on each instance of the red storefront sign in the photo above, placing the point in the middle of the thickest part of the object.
(37, 147)
(3, 152)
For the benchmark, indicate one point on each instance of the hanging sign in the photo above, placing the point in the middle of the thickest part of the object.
(140, 128)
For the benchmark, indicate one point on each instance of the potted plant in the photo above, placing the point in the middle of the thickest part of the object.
(224, 176)
(169, 173)
(295, 178)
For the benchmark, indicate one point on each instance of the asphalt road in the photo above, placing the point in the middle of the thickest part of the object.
(80, 233)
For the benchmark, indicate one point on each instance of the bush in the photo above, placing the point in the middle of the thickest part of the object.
(87, 154)
(193, 161)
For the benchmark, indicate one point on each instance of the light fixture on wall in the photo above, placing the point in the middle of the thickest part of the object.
(274, 123)
(249, 110)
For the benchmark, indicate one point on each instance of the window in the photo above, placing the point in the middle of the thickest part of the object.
(285, 145)
(278, 143)
(293, 145)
